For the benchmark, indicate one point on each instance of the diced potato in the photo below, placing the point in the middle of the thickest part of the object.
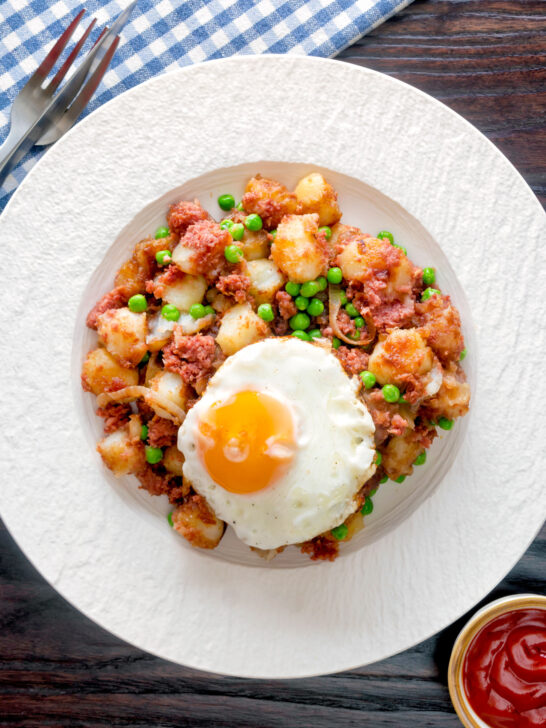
(100, 368)
(123, 333)
(218, 301)
(316, 195)
(201, 249)
(197, 523)
(186, 259)
(140, 267)
(403, 352)
(441, 327)
(255, 244)
(296, 250)
(361, 255)
(171, 386)
(173, 460)
(122, 453)
(266, 279)
(400, 453)
(453, 397)
(354, 523)
(240, 327)
(185, 292)
(270, 200)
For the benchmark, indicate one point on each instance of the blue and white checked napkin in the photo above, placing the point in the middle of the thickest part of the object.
(164, 34)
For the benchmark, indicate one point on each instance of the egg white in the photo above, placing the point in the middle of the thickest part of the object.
(334, 443)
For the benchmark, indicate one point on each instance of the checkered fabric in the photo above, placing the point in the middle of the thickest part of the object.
(165, 34)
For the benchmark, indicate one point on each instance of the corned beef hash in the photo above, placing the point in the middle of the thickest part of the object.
(269, 371)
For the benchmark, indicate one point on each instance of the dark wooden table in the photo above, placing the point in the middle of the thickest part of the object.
(485, 59)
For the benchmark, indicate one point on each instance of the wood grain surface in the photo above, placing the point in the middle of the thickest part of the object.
(486, 60)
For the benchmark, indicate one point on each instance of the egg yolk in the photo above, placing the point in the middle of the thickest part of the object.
(247, 441)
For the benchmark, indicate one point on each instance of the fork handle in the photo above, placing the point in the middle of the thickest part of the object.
(11, 151)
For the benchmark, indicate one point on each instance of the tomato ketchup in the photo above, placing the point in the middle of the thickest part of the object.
(504, 670)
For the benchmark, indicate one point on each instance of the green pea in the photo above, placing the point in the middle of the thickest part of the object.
(170, 519)
(340, 532)
(367, 508)
(334, 275)
(226, 202)
(400, 247)
(336, 343)
(444, 423)
(265, 312)
(170, 312)
(144, 432)
(368, 379)
(162, 232)
(253, 222)
(197, 310)
(304, 336)
(386, 234)
(429, 276)
(153, 454)
(343, 298)
(391, 393)
(299, 322)
(359, 322)
(163, 257)
(237, 231)
(464, 352)
(226, 224)
(145, 359)
(326, 230)
(309, 289)
(209, 311)
(233, 254)
(301, 303)
(292, 288)
(351, 310)
(378, 458)
(240, 206)
(383, 480)
(315, 307)
(372, 492)
(322, 283)
(137, 303)
(420, 459)
(273, 234)
(428, 292)
(315, 334)
(400, 479)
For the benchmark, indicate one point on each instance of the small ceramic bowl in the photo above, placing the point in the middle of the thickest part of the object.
(468, 717)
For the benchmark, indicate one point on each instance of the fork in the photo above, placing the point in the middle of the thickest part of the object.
(37, 109)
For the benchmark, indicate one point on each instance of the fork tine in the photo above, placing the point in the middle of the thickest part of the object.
(87, 91)
(49, 61)
(61, 73)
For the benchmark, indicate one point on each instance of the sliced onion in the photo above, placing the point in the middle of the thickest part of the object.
(188, 325)
(334, 305)
(159, 403)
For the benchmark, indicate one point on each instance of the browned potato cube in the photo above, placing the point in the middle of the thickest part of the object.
(197, 523)
(100, 369)
(316, 195)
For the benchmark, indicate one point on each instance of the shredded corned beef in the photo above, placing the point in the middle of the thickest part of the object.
(208, 241)
(117, 298)
(353, 361)
(321, 548)
(170, 276)
(386, 417)
(346, 324)
(287, 307)
(161, 432)
(235, 285)
(115, 416)
(190, 356)
(184, 214)
(162, 483)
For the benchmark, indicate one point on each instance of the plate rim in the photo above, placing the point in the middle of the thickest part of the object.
(235, 60)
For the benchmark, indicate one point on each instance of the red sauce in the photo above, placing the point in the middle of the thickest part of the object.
(504, 670)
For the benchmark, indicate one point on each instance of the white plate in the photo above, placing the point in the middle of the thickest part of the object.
(418, 167)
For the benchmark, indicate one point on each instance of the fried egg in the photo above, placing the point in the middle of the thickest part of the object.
(279, 444)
